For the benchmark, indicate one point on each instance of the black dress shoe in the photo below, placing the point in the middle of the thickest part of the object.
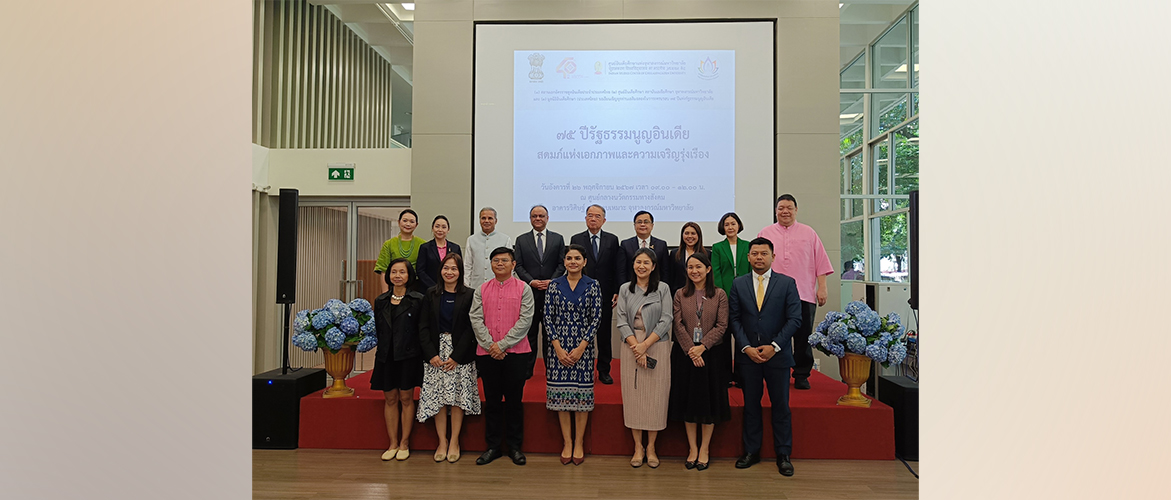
(784, 466)
(801, 383)
(747, 460)
(488, 456)
(690, 464)
(517, 457)
(605, 378)
(701, 465)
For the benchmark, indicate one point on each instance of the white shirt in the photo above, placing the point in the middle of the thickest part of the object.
(733, 247)
(645, 243)
(477, 252)
(764, 287)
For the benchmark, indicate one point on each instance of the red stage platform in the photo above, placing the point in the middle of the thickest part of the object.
(821, 429)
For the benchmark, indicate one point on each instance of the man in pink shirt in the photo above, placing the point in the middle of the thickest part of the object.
(502, 310)
(801, 256)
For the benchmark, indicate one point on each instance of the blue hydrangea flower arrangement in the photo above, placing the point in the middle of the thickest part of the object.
(860, 330)
(335, 325)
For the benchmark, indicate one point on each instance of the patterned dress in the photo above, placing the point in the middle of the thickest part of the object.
(447, 388)
(571, 317)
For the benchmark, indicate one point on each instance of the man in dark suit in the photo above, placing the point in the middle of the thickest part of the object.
(602, 265)
(538, 260)
(764, 311)
(644, 222)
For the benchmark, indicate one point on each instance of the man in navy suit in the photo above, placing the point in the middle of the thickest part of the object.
(644, 222)
(602, 265)
(538, 260)
(764, 311)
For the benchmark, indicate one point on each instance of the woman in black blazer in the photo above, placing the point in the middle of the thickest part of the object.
(449, 352)
(398, 366)
(690, 242)
(432, 253)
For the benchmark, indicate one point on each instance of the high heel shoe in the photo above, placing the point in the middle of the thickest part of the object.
(566, 460)
(690, 464)
(701, 465)
(578, 461)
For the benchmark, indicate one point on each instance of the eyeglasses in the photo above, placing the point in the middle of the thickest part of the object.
(501, 261)
(643, 222)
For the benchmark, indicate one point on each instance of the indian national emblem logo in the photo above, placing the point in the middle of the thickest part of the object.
(536, 60)
(567, 67)
(708, 69)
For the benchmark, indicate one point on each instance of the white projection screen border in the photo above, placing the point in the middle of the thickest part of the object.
(675, 117)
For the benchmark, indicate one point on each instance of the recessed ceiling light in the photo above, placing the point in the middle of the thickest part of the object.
(409, 5)
(840, 5)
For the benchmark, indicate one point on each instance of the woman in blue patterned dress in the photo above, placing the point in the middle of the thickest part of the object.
(573, 310)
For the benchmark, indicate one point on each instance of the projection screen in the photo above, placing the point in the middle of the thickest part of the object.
(674, 118)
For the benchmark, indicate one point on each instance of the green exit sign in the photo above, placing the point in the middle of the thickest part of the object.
(341, 174)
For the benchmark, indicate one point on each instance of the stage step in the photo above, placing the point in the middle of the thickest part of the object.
(821, 429)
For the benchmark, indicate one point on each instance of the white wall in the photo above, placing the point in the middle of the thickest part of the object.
(377, 172)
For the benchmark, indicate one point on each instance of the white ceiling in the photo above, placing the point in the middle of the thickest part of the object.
(861, 21)
(388, 27)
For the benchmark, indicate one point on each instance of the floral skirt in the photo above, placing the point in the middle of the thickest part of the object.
(448, 388)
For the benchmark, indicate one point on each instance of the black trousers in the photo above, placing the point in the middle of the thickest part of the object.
(605, 338)
(535, 331)
(802, 351)
(777, 378)
(504, 384)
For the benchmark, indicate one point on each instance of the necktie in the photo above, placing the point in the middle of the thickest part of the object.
(759, 291)
(540, 246)
(644, 243)
(595, 246)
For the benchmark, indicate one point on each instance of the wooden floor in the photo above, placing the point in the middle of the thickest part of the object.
(357, 474)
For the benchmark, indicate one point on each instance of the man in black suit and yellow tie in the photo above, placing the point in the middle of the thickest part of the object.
(764, 311)
(538, 261)
(602, 265)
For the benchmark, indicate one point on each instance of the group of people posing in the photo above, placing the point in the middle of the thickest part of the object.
(449, 315)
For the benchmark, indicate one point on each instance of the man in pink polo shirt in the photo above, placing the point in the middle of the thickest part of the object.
(801, 256)
(502, 310)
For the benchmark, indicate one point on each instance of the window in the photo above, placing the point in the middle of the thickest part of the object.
(879, 147)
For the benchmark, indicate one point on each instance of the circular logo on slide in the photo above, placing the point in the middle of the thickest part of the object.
(567, 67)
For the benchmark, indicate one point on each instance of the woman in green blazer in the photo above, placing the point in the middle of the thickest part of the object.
(730, 255)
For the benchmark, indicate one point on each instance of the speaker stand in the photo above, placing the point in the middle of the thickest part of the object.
(285, 343)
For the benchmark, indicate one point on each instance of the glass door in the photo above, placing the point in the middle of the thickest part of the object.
(337, 245)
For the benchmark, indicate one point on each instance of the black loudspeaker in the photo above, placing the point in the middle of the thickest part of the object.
(902, 394)
(276, 406)
(286, 252)
(914, 222)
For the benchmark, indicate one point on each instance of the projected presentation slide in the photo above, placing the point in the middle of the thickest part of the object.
(630, 130)
(675, 118)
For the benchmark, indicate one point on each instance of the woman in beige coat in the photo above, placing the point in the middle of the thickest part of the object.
(644, 320)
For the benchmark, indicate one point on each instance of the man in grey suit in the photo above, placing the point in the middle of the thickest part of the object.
(764, 311)
(538, 260)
